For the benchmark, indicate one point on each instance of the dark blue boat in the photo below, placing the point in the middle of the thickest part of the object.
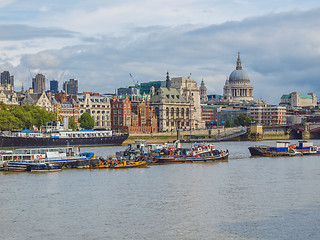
(44, 167)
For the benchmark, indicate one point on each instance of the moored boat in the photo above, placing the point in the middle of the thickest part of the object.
(20, 159)
(130, 164)
(284, 149)
(197, 153)
(55, 135)
(44, 167)
(115, 163)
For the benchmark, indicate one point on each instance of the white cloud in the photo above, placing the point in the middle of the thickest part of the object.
(280, 51)
(43, 9)
(4, 3)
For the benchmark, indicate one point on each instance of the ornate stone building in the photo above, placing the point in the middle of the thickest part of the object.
(9, 97)
(175, 105)
(295, 99)
(98, 106)
(39, 99)
(189, 90)
(238, 88)
(66, 106)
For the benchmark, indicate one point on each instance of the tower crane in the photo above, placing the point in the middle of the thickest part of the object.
(136, 83)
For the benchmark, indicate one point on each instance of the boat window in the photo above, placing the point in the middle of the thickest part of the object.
(34, 151)
(27, 157)
(7, 158)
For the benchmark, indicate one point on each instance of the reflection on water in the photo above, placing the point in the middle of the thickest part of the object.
(244, 198)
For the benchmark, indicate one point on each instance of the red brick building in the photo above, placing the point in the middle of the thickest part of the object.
(120, 114)
(143, 120)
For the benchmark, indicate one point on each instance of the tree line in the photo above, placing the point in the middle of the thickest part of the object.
(14, 117)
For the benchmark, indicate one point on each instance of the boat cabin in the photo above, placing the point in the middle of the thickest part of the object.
(304, 145)
(30, 154)
(281, 146)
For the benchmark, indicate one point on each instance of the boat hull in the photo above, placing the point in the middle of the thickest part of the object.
(44, 167)
(189, 159)
(264, 152)
(9, 142)
(15, 166)
(130, 165)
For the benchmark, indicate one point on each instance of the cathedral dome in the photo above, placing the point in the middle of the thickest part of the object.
(239, 74)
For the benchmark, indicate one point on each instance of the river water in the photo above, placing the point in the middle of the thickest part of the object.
(244, 198)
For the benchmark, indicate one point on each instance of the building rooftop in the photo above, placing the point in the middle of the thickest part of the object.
(306, 96)
(171, 95)
(286, 96)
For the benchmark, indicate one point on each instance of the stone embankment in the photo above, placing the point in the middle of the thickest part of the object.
(162, 137)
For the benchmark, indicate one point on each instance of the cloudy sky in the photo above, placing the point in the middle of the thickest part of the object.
(101, 42)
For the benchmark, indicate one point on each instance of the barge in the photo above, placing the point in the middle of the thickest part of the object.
(284, 149)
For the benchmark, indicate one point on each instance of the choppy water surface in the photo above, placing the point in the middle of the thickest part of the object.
(244, 198)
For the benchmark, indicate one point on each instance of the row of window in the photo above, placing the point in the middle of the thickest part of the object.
(177, 112)
(172, 124)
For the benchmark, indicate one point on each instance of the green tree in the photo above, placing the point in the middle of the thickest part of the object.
(14, 117)
(72, 124)
(242, 120)
(41, 116)
(86, 121)
(227, 125)
(8, 121)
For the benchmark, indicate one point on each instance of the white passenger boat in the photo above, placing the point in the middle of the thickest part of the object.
(20, 159)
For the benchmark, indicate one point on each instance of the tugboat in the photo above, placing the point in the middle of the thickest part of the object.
(198, 153)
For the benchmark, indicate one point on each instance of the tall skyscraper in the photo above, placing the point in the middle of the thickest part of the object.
(39, 83)
(6, 78)
(71, 86)
(54, 86)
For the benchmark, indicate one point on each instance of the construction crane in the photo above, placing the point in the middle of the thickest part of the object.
(60, 77)
(136, 83)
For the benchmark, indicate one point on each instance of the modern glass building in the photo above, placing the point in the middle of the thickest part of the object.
(54, 86)
(145, 87)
